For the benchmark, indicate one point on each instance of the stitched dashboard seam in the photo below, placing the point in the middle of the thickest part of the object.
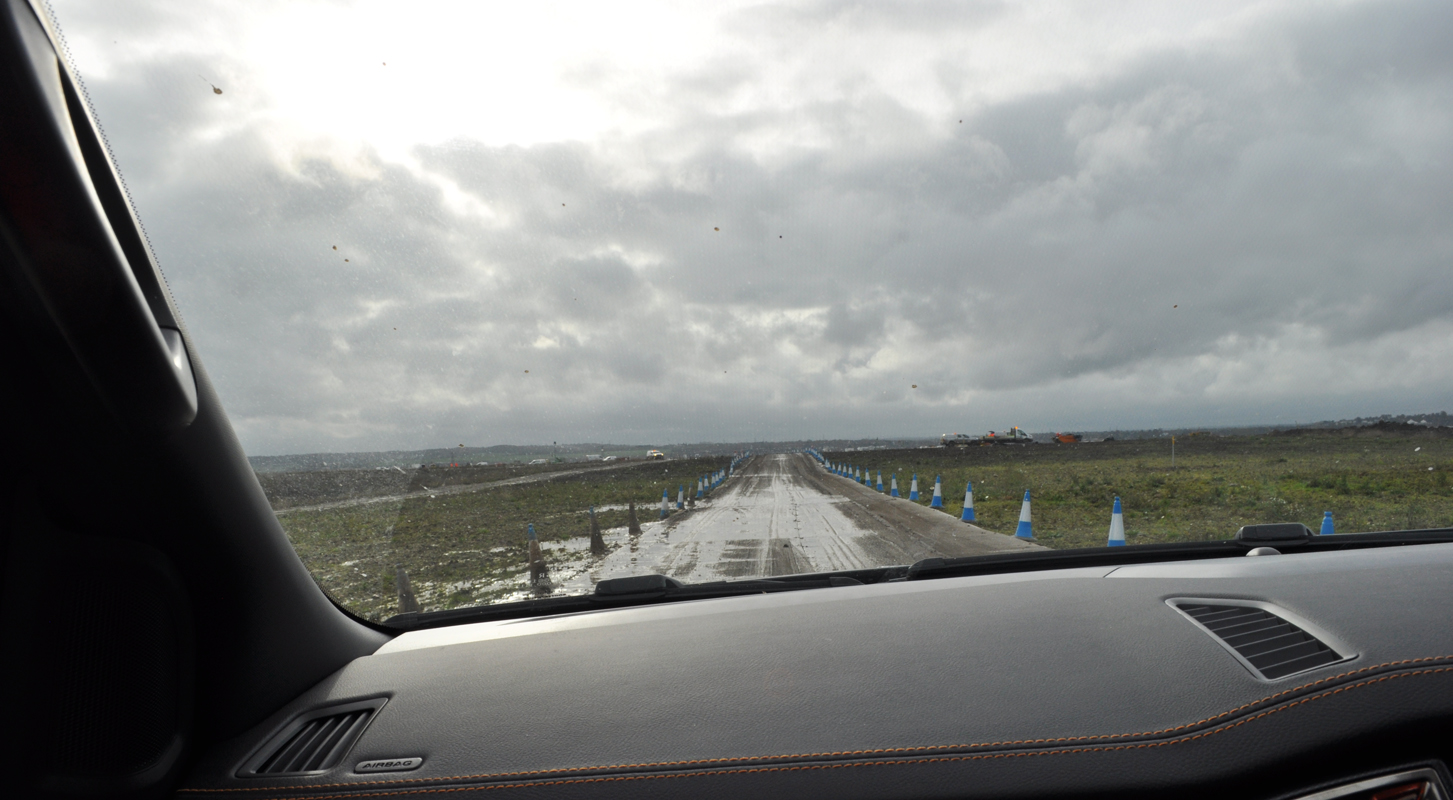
(404, 790)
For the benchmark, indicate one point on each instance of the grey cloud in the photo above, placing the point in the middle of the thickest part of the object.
(1077, 257)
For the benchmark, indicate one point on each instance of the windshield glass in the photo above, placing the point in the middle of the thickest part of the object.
(504, 300)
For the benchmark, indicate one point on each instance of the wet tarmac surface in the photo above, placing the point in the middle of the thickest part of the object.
(778, 515)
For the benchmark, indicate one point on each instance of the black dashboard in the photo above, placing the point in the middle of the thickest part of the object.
(1074, 682)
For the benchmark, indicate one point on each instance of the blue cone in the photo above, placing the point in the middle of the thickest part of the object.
(895, 486)
(937, 501)
(1117, 526)
(913, 488)
(1327, 528)
(880, 480)
(968, 515)
(1025, 529)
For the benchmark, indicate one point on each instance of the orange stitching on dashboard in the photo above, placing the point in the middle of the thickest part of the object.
(879, 751)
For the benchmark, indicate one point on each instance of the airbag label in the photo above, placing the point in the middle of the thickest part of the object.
(389, 765)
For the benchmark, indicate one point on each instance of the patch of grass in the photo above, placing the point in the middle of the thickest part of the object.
(1217, 484)
(447, 541)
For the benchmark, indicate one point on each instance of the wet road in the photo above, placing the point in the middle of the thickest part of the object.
(780, 514)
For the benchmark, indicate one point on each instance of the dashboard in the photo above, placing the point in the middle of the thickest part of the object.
(1076, 682)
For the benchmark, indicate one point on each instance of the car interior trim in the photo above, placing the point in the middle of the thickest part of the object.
(1320, 689)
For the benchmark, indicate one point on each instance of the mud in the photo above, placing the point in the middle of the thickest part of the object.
(779, 515)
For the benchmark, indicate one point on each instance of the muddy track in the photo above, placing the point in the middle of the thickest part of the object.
(784, 515)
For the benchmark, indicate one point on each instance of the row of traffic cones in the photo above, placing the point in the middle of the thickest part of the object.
(1025, 529)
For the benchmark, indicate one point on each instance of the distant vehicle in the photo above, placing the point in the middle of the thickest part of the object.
(655, 455)
(1068, 438)
(594, 457)
(540, 461)
(1014, 435)
(611, 458)
(957, 440)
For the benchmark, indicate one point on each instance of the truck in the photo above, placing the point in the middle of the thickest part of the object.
(1015, 435)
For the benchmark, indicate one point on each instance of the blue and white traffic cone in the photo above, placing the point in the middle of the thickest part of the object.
(1025, 529)
(698, 489)
(680, 497)
(937, 501)
(913, 488)
(895, 485)
(665, 504)
(968, 515)
(1117, 526)
(1327, 528)
(880, 481)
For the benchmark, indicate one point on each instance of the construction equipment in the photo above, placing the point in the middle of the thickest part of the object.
(1068, 438)
(1015, 435)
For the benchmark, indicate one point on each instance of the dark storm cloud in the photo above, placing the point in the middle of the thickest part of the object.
(1188, 240)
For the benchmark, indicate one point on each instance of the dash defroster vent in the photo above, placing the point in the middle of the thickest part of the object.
(1268, 645)
(314, 742)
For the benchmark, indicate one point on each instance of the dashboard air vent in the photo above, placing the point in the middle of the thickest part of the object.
(1268, 645)
(315, 742)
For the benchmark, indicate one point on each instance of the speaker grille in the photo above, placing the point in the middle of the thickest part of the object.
(111, 659)
(1271, 646)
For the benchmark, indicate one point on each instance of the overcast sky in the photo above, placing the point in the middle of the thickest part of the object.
(679, 222)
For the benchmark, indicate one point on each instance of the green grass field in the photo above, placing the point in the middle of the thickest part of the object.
(1218, 484)
(456, 548)
(449, 543)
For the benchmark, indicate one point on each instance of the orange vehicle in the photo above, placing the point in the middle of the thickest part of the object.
(1068, 438)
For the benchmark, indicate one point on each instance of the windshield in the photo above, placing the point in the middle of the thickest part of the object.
(504, 300)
